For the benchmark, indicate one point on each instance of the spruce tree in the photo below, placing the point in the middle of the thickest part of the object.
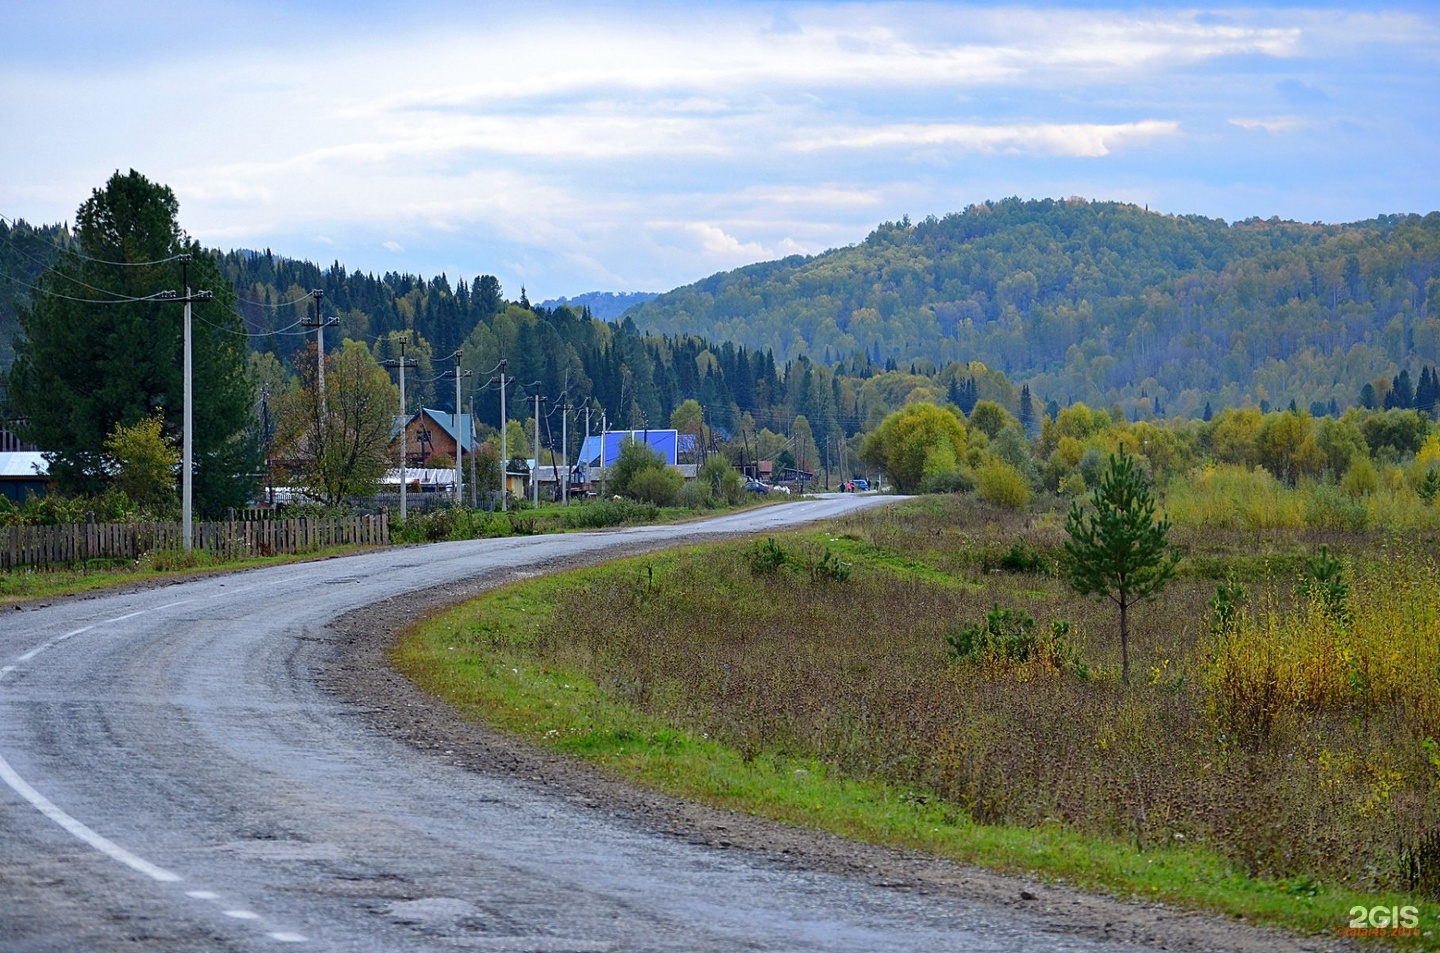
(99, 351)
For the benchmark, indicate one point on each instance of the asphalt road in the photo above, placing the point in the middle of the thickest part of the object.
(172, 778)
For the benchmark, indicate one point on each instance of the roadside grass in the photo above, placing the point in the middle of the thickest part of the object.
(28, 585)
(713, 674)
(460, 523)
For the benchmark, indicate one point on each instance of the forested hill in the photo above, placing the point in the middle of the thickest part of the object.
(25, 252)
(1100, 302)
(605, 305)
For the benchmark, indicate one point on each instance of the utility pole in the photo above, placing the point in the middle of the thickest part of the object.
(187, 490)
(504, 445)
(403, 363)
(535, 470)
(265, 429)
(565, 447)
(319, 324)
(604, 429)
(459, 435)
(187, 461)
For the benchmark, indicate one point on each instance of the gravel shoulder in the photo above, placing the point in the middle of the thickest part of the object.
(360, 674)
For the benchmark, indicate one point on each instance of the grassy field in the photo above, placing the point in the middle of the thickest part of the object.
(1278, 761)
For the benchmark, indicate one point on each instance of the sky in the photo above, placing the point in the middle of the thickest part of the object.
(570, 147)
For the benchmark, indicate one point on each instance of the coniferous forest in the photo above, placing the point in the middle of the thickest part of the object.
(1069, 301)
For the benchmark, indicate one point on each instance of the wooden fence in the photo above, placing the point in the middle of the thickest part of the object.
(51, 545)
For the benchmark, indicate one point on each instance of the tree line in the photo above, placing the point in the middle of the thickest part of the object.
(97, 352)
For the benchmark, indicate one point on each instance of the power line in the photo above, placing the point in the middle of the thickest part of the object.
(15, 223)
(285, 331)
(118, 299)
(277, 305)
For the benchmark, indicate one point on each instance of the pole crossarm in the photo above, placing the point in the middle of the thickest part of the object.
(317, 321)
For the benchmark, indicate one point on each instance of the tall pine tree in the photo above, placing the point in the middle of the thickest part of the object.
(98, 350)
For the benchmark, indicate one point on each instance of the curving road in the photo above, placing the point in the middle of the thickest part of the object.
(172, 778)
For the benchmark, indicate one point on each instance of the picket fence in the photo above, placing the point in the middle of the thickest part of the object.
(53, 545)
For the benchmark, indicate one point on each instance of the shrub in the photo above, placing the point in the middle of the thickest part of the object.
(1003, 485)
(1335, 650)
(635, 458)
(767, 558)
(658, 487)
(828, 568)
(951, 481)
(1225, 607)
(1091, 466)
(1071, 485)
(1323, 581)
(1326, 507)
(451, 522)
(904, 441)
(695, 495)
(1362, 479)
(1007, 643)
(1022, 558)
(1233, 497)
(720, 480)
(605, 513)
(1429, 487)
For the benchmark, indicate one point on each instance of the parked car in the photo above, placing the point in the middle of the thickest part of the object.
(755, 486)
(861, 484)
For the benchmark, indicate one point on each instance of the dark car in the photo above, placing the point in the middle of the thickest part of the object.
(755, 486)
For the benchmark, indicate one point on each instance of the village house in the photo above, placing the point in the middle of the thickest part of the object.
(430, 433)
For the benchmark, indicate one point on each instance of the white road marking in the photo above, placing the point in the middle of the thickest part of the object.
(44, 646)
(98, 841)
(103, 844)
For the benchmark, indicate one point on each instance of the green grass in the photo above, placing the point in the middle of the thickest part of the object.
(489, 658)
(27, 585)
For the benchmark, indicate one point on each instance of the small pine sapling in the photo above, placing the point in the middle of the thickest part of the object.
(1117, 549)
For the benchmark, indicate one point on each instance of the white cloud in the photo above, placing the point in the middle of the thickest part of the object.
(719, 243)
(1274, 124)
(833, 196)
(619, 141)
(1062, 139)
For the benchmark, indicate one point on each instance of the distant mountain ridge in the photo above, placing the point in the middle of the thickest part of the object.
(1103, 302)
(605, 305)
